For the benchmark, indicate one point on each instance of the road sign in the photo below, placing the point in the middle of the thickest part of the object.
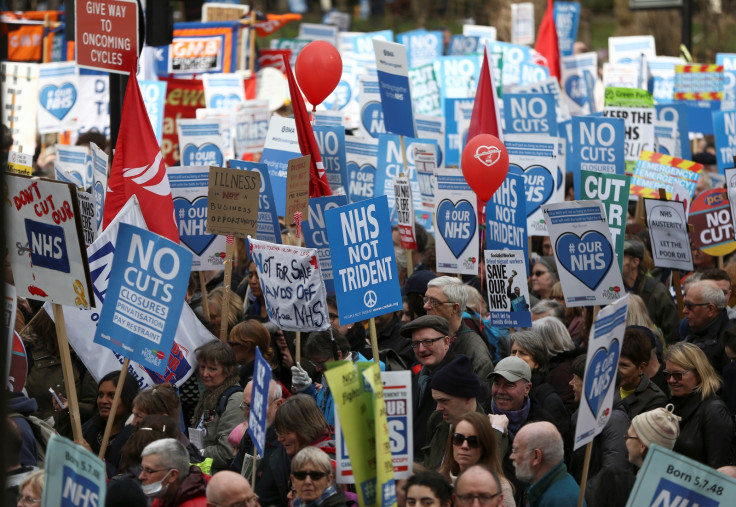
(107, 34)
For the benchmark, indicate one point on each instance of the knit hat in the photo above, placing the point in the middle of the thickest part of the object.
(513, 368)
(548, 262)
(435, 322)
(658, 426)
(417, 282)
(457, 378)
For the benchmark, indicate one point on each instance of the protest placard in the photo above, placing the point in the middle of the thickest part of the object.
(331, 143)
(425, 90)
(223, 91)
(529, 113)
(224, 119)
(371, 110)
(315, 234)
(484, 33)
(10, 306)
(730, 191)
(613, 191)
(583, 249)
(148, 282)
(631, 48)
(395, 89)
(425, 162)
(601, 367)
(19, 86)
(457, 224)
(457, 120)
(297, 188)
(636, 108)
(597, 146)
(154, 98)
(291, 280)
(579, 75)
(73, 160)
(422, 46)
(670, 128)
(269, 228)
(655, 170)
(669, 478)
(45, 240)
(362, 158)
(106, 35)
(506, 216)
(567, 19)
(233, 202)
(522, 23)
(532, 73)
(405, 212)
(73, 475)
(710, 216)
(461, 45)
(363, 260)
(724, 126)
(20, 163)
(251, 127)
(670, 240)
(536, 161)
(621, 75)
(87, 215)
(433, 128)
(257, 423)
(57, 96)
(508, 293)
(183, 98)
(728, 60)
(189, 192)
(458, 75)
(200, 142)
(549, 85)
(701, 87)
(281, 146)
(661, 82)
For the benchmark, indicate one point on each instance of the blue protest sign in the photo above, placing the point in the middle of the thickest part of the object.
(99, 179)
(597, 146)
(362, 157)
(724, 125)
(371, 121)
(578, 82)
(530, 73)
(259, 402)
(728, 60)
(422, 46)
(458, 75)
(73, 475)
(281, 146)
(457, 224)
(567, 19)
(463, 45)
(529, 113)
(513, 56)
(505, 220)
(670, 130)
(315, 234)
(457, 120)
(363, 261)
(268, 220)
(393, 82)
(154, 96)
(200, 142)
(148, 282)
(331, 142)
(508, 292)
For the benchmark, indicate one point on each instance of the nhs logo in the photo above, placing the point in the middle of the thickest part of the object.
(670, 494)
(47, 245)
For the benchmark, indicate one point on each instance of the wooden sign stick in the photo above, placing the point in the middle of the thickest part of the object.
(676, 282)
(114, 408)
(586, 467)
(205, 301)
(68, 371)
(374, 338)
(298, 344)
(409, 260)
(225, 311)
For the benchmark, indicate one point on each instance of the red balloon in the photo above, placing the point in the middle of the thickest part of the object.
(485, 163)
(318, 70)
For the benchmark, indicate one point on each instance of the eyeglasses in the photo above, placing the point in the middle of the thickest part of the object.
(627, 437)
(483, 498)
(27, 500)
(690, 306)
(426, 342)
(434, 303)
(319, 364)
(151, 471)
(458, 439)
(249, 502)
(313, 474)
(539, 273)
(677, 375)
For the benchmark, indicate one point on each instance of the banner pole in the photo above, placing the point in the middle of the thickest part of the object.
(374, 338)
(253, 470)
(298, 344)
(586, 466)
(68, 372)
(205, 301)
(225, 311)
(252, 34)
(405, 171)
(114, 408)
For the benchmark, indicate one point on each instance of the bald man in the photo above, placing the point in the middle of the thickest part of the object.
(227, 489)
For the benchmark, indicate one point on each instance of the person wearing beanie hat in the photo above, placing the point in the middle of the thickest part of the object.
(544, 276)
(659, 426)
(455, 389)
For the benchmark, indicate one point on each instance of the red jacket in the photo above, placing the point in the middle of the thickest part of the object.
(191, 492)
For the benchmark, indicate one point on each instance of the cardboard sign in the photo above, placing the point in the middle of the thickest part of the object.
(529, 113)
(508, 292)
(269, 228)
(667, 223)
(72, 473)
(670, 128)
(362, 158)
(331, 142)
(654, 171)
(601, 367)
(583, 249)
(297, 188)
(363, 260)
(597, 146)
(724, 126)
(405, 212)
(106, 35)
(201, 142)
(58, 96)
(425, 90)
(189, 191)
(457, 224)
(257, 423)
(315, 234)
(46, 249)
(506, 217)
(613, 191)
(393, 82)
(148, 282)
(20, 163)
(233, 202)
(710, 216)
(579, 75)
(567, 19)
(281, 146)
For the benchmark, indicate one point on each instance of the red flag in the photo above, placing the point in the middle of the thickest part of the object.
(138, 169)
(485, 118)
(318, 185)
(547, 44)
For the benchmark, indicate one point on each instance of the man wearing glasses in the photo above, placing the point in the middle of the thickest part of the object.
(167, 477)
(707, 321)
(228, 489)
(478, 484)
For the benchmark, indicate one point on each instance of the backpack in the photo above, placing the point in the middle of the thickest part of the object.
(222, 402)
(42, 432)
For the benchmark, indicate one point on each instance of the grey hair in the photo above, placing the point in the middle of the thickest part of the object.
(475, 300)
(171, 454)
(549, 305)
(314, 456)
(548, 440)
(275, 391)
(530, 341)
(452, 288)
(554, 334)
(711, 293)
(400, 254)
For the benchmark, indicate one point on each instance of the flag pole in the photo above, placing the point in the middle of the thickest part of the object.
(114, 408)
(68, 371)
(405, 170)
(225, 311)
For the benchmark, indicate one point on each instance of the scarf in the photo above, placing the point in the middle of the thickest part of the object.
(329, 491)
(517, 418)
(208, 400)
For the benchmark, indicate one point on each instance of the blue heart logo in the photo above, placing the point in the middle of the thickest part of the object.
(191, 218)
(207, 154)
(58, 100)
(577, 90)
(538, 184)
(372, 118)
(220, 101)
(587, 258)
(456, 224)
(600, 375)
(361, 181)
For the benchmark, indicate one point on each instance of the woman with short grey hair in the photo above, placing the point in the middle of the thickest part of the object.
(313, 481)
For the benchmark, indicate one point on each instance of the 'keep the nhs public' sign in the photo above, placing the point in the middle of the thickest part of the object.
(148, 282)
(363, 262)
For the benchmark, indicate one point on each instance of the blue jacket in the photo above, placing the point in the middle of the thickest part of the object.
(556, 488)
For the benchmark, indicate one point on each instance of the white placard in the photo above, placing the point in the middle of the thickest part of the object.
(669, 234)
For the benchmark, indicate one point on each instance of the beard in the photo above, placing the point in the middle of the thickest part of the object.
(524, 472)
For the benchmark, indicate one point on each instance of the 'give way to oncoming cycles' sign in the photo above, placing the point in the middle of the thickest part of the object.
(292, 285)
(363, 260)
(148, 282)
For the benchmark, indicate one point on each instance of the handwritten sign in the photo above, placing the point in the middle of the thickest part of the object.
(297, 187)
(269, 228)
(233, 202)
(667, 223)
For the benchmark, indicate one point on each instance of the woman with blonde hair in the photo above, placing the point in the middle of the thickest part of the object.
(706, 429)
(30, 491)
(215, 298)
(244, 338)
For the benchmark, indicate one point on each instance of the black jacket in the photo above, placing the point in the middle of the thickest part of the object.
(423, 403)
(711, 339)
(647, 396)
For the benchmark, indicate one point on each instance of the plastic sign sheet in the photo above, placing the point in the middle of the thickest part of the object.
(405, 212)
(669, 478)
(269, 228)
(710, 216)
(395, 88)
(655, 170)
(583, 249)
(601, 367)
(148, 282)
(505, 217)
(223, 91)
(315, 234)
(508, 292)
(667, 223)
(45, 241)
(259, 402)
(529, 113)
(73, 475)
(724, 126)
(292, 284)
(567, 19)
(201, 142)
(363, 260)
(281, 146)
(189, 191)
(58, 96)
(579, 75)
(457, 224)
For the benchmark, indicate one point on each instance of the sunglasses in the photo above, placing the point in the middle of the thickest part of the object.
(539, 273)
(458, 439)
(313, 474)
(677, 375)
(690, 305)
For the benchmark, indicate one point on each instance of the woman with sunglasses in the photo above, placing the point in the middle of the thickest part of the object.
(313, 481)
(473, 441)
(706, 428)
(543, 277)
